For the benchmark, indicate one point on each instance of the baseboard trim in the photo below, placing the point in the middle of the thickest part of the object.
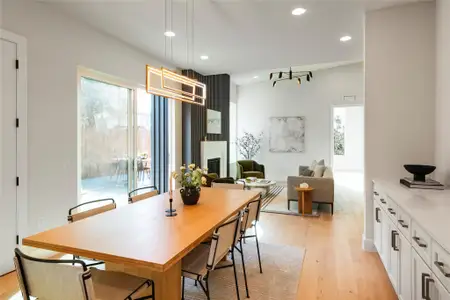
(368, 245)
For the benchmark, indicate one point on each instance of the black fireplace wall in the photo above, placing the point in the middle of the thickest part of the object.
(194, 116)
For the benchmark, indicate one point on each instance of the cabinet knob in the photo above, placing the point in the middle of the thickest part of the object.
(391, 211)
(440, 266)
(402, 223)
(417, 240)
(382, 201)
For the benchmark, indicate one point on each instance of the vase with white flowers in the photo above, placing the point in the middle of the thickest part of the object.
(190, 178)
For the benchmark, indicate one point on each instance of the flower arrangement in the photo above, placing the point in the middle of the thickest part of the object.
(190, 177)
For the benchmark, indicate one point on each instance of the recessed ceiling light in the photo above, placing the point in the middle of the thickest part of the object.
(255, 77)
(204, 57)
(169, 33)
(298, 11)
(346, 38)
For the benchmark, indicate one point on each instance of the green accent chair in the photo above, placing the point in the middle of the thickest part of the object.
(250, 168)
(209, 178)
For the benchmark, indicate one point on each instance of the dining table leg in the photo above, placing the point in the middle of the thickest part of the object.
(167, 283)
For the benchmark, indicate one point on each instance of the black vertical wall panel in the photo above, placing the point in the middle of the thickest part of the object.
(194, 116)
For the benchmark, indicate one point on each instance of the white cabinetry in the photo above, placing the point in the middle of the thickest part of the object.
(404, 279)
(417, 265)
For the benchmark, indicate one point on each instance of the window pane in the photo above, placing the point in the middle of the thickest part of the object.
(143, 135)
(104, 140)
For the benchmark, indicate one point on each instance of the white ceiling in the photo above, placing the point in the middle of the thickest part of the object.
(241, 37)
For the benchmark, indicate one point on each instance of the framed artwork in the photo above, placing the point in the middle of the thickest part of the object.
(287, 134)
(214, 121)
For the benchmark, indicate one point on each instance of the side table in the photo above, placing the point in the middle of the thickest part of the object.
(304, 200)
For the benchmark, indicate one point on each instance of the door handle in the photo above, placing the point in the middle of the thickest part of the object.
(427, 288)
(440, 266)
(391, 211)
(424, 290)
(417, 240)
(402, 223)
(377, 210)
(394, 233)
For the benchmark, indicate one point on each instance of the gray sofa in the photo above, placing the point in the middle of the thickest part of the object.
(323, 187)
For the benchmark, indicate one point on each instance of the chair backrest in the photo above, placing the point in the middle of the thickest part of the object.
(251, 214)
(247, 165)
(232, 186)
(143, 196)
(53, 279)
(84, 212)
(224, 238)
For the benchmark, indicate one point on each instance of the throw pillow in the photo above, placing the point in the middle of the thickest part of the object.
(313, 165)
(306, 172)
(318, 171)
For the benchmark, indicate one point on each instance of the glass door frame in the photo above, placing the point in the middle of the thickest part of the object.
(83, 72)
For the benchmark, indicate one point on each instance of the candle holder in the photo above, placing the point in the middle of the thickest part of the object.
(170, 212)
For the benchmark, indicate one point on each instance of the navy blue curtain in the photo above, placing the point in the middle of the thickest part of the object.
(160, 143)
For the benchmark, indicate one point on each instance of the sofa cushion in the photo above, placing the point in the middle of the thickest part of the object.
(317, 163)
(328, 173)
(306, 172)
(313, 165)
(256, 174)
(318, 171)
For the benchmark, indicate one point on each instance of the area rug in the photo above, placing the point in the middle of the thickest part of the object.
(278, 205)
(272, 194)
(279, 280)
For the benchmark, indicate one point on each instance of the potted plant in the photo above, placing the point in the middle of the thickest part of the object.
(249, 144)
(190, 178)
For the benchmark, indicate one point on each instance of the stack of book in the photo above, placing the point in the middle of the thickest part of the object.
(427, 184)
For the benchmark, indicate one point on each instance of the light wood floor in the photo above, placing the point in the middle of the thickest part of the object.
(335, 267)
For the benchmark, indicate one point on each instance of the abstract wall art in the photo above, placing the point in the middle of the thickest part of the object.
(287, 134)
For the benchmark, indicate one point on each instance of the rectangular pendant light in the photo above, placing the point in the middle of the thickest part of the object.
(165, 83)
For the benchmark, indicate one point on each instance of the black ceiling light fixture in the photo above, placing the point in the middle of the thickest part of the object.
(289, 75)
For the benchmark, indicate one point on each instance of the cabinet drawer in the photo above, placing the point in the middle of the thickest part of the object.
(392, 210)
(440, 264)
(404, 223)
(421, 241)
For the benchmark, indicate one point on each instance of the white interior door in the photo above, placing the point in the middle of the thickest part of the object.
(8, 155)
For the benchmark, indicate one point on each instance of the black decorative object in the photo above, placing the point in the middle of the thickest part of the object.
(171, 212)
(419, 171)
(190, 195)
(289, 75)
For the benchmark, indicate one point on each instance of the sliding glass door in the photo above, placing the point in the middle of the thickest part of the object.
(104, 139)
(120, 133)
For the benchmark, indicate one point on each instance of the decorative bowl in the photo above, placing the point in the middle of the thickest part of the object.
(251, 179)
(419, 171)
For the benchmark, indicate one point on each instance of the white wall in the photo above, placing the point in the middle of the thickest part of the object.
(259, 101)
(353, 158)
(233, 129)
(57, 44)
(400, 90)
(443, 91)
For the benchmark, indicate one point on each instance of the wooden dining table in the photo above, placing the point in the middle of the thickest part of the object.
(139, 239)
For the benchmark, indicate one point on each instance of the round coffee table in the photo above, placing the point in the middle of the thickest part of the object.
(264, 184)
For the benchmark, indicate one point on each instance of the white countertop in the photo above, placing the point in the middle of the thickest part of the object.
(429, 208)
